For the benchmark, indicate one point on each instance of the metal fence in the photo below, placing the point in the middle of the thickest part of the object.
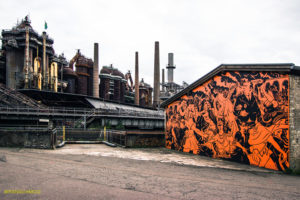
(78, 134)
(115, 136)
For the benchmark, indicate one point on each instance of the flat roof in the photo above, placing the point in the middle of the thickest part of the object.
(260, 67)
(51, 98)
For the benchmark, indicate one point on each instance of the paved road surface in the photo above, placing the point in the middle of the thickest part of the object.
(101, 172)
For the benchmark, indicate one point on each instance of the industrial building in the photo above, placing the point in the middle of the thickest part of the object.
(28, 62)
(28, 58)
(247, 113)
(37, 85)
(170, 88)
(38, 88)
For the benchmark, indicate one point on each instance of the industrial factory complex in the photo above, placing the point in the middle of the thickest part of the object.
(29, 62)
(40, 88)
(247, 113)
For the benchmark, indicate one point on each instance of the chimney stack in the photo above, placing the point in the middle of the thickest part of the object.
(136, 81)
(156, 76)
(170, 67)
(96, 71)
(163, 80)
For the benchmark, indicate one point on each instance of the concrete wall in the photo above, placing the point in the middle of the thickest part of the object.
(133, 123)
(29, 139)
(238, 116)
(295, 122)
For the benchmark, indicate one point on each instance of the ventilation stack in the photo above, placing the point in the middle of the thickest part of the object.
(156, 76)
(136, 80)
(171, 68)
(96, 71)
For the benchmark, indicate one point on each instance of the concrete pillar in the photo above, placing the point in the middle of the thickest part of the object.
(156, 76)
(163, 80)
(96, 71)
(136, 80)
(170, 68)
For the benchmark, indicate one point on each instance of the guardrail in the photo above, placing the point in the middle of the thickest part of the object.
(78, 112)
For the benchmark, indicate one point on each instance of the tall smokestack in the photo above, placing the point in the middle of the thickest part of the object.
(136, 81)
(170, 67)
(163, 79)
(96, 71)
(156, 76)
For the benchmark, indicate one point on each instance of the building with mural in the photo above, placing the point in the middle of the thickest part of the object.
(240, 112)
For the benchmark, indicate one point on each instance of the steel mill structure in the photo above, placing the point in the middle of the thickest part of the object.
(28, 62)
(33, 76)
(38, 87)
(170, 88)
(28, 59)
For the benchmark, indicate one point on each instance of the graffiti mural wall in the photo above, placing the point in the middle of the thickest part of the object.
(240, 116)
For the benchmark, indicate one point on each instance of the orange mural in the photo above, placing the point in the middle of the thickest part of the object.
(239, 116)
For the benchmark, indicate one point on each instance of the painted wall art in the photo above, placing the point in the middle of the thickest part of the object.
(238, 116)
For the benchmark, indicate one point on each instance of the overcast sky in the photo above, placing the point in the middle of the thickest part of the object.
(201, 34)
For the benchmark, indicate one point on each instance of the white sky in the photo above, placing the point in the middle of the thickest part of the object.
(201, 34)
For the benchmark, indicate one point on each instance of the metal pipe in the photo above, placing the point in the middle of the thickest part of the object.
(39, 69)
(61, 144)
(55, 77)
(96, 71)
(26, 61)
(51, 74)
(61, 77)
(156, 76)
(45, 70)
(136, 81)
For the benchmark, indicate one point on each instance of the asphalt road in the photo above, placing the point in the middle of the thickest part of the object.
(101, 172)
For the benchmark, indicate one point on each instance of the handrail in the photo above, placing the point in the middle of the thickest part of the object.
(78, 112)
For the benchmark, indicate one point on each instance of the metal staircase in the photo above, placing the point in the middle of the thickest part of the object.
(86, 119)
(12, 98)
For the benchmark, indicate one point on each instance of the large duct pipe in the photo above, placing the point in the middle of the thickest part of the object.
(156, 76)
(136, 80)
(163, 80)
(96, 71)
(170, 67)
